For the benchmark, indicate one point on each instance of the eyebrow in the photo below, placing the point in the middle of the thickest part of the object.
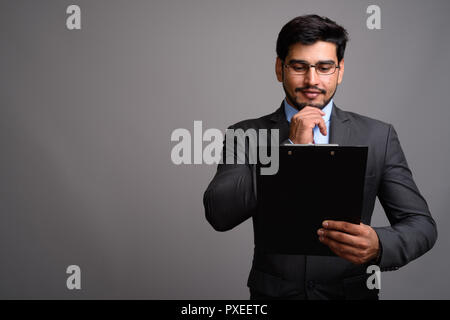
(306, 62)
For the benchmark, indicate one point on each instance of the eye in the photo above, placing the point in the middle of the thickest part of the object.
(324, 67)
(300, 67)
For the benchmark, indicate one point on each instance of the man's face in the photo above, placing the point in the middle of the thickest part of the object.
(310, 89)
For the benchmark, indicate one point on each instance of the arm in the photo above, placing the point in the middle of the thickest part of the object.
(413, 231)
(230, 199)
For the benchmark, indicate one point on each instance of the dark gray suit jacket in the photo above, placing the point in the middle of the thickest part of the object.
(230, 199)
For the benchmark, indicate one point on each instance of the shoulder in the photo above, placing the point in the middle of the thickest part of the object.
(364, 123)
(364, 129)
(363, 120)
(256, 123)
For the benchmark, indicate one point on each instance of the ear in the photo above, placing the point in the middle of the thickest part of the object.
(279, 69)
(341, 71)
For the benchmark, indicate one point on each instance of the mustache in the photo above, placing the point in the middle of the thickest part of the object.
(309, 88)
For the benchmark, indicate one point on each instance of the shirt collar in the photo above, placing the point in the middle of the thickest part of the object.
(290, 111)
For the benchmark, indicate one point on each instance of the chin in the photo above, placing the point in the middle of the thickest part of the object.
(316, 104)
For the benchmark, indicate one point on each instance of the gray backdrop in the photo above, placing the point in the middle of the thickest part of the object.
(86, 116)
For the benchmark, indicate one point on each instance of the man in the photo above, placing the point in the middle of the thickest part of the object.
(310, 65)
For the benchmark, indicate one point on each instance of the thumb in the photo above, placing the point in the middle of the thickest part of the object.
(322, 128)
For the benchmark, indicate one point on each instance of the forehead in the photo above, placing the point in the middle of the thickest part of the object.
(318, 51)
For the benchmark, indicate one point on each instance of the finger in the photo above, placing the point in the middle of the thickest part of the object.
(304, 116)
(343, 226)
(344, 238)
(308, 122)
(322, 127)
(311, 108)
(313, 121)
(316, 119)
(340, 249)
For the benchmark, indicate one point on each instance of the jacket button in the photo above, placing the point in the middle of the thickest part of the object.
(311, 285)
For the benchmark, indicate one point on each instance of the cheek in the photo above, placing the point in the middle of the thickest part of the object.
(330, 85)
(292, 83)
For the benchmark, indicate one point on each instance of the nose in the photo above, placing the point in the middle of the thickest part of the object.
(311, 77)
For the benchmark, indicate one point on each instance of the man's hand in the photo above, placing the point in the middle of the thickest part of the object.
(303, 123)
(355, 243)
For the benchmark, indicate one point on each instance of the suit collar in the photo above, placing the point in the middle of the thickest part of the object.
(339, 125)
(279, 114)
(280, 122)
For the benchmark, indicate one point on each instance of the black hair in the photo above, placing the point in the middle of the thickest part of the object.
(309, 29)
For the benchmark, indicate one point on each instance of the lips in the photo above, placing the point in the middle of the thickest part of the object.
(311, 94)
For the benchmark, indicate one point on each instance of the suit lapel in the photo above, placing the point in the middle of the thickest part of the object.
(339, 127)
(280, 122)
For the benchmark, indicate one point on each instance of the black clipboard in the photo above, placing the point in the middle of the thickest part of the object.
(313, 183)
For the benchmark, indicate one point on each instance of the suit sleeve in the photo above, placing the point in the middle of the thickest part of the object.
(230, 198)
(413, 231)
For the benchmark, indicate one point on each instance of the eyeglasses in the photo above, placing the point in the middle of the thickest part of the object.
(322, 68)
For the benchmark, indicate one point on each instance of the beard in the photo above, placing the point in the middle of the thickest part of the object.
(300, 105)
